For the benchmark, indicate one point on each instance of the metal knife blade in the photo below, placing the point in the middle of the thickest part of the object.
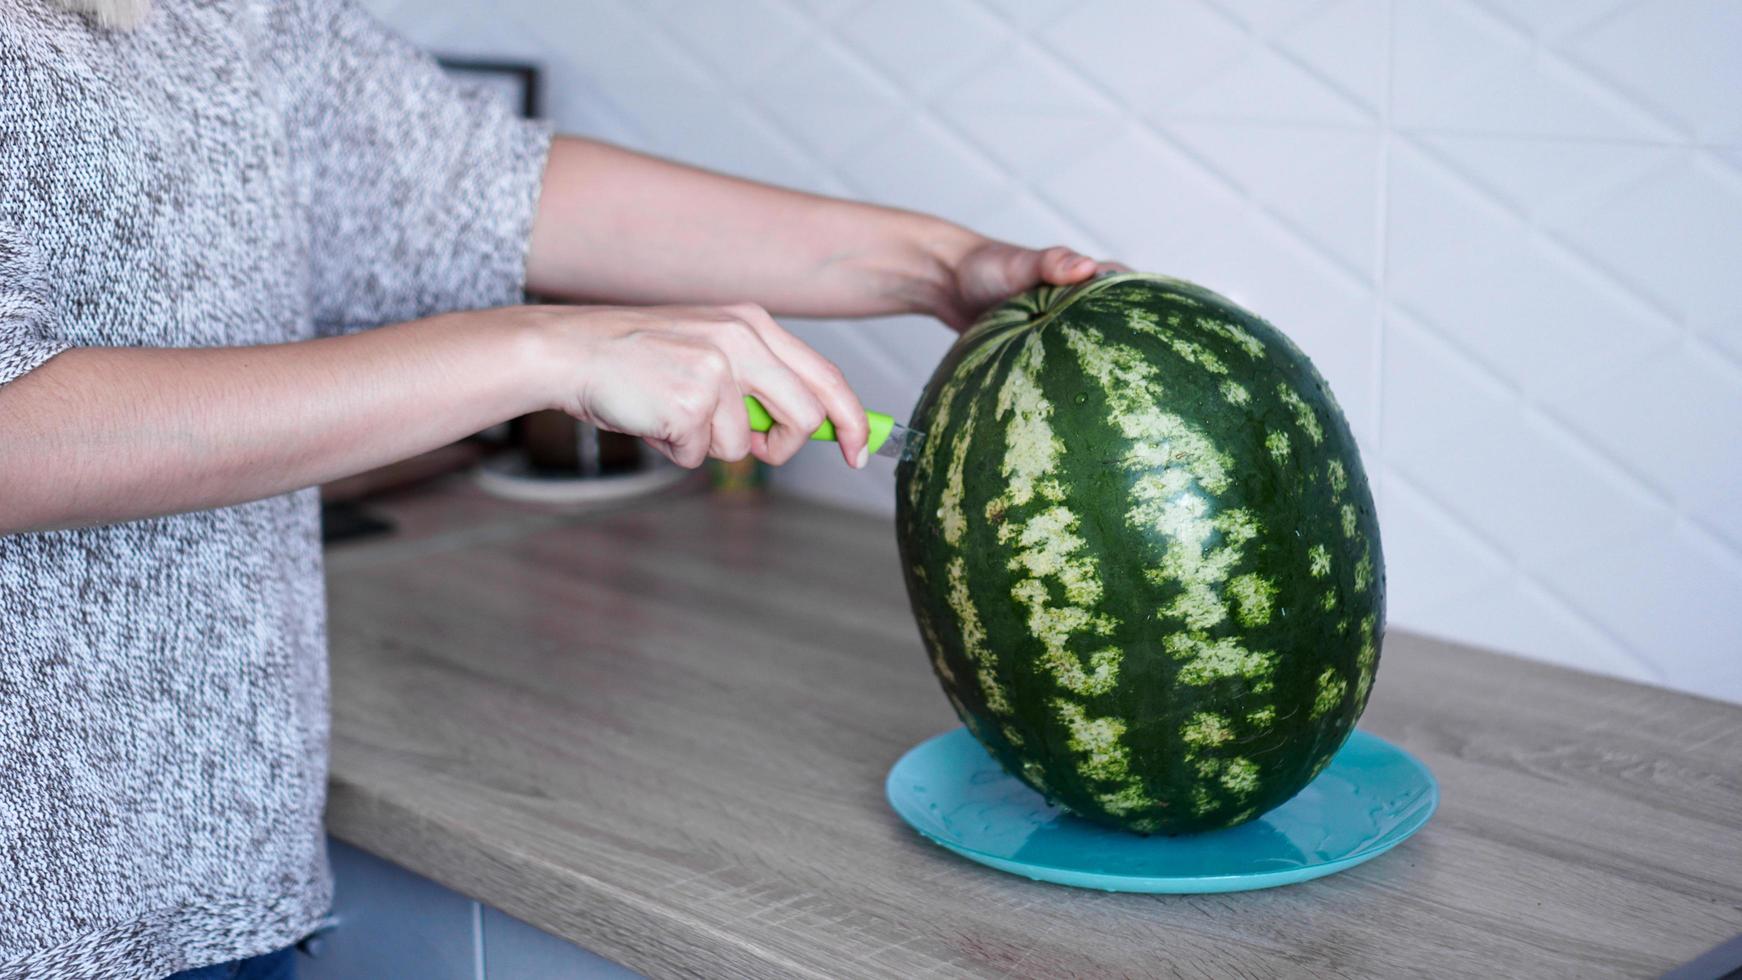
(903, 443)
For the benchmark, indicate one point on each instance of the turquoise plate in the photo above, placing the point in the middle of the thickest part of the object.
(1370, 798)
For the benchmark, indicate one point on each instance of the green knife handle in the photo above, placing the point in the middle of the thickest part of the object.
(881, 425)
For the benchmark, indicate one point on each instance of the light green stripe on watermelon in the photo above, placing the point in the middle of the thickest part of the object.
(1254, 596)
(1366, 660)
(1105, 759)
(1188, 350)
(1031, 449)
(936, 649)
(1235, 393)
(1234, 334)
(952, 520)
(1206, 730)
(928, 453)
(1303, 413)
(1047, 545)
(1210, 659)
(974, 638)
(1277, 443)
(1331, 689)
(1133, 390)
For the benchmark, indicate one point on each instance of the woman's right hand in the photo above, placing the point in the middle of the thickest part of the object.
(677, 375)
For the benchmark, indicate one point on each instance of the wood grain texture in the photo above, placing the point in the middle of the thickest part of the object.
(662, 733)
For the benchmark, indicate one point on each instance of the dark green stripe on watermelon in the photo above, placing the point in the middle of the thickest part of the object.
(1165, 616)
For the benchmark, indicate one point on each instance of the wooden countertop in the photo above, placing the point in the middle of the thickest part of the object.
(648, 732)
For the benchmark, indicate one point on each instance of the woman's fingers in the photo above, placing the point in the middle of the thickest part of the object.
(678, 376)
(826, 383)
(730, 425)
(1062, 266)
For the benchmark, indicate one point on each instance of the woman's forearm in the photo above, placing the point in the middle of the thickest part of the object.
(98, 435)
(617, 226)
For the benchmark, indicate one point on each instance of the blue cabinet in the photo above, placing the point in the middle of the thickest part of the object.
(394, 923)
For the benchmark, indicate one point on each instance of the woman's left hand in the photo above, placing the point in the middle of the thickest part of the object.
(994, 271)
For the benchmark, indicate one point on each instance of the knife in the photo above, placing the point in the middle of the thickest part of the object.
(888, 437)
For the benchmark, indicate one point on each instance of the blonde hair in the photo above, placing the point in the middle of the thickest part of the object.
(121, 15)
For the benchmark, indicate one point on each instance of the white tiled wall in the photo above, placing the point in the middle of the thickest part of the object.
(1509, 233)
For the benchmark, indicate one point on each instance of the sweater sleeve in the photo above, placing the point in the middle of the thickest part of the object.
(26, 337)
(420, 194)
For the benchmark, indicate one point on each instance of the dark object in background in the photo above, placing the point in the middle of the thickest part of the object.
(518, 82)
(347, 520)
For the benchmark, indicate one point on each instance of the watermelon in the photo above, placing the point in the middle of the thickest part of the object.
(1142, 553)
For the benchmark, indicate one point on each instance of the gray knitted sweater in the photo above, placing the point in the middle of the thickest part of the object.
(233, 172)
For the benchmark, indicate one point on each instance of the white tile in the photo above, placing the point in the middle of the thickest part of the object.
(1029, 113)
(1473, 270)
(1539, 177)
(704, 130)
(463, 31)
(1433, 397)
(1508, 476)
(1164, 47)
(605, 40)
(924, 44)
(1726, 335)
(921, 166)
(1671, 595)
(1677, 234)
(1455, 69)
(1143, 198)
(1260, 85)
(738, 39)
(1438, 47)
(1431, 560)
(1349, 44)
(1026, 14)
(1324, 182)
(1438, 224)
(1551, 20)
(1676, 419)
(826, 102)
(1266, 16)
(823, 11)
(1684, 59)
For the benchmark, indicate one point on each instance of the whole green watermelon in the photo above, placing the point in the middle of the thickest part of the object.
(1142, 552)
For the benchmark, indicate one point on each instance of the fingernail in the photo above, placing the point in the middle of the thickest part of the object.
(863, 458)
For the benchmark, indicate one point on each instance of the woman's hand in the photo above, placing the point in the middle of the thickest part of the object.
(677, 376)
(991, 272)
